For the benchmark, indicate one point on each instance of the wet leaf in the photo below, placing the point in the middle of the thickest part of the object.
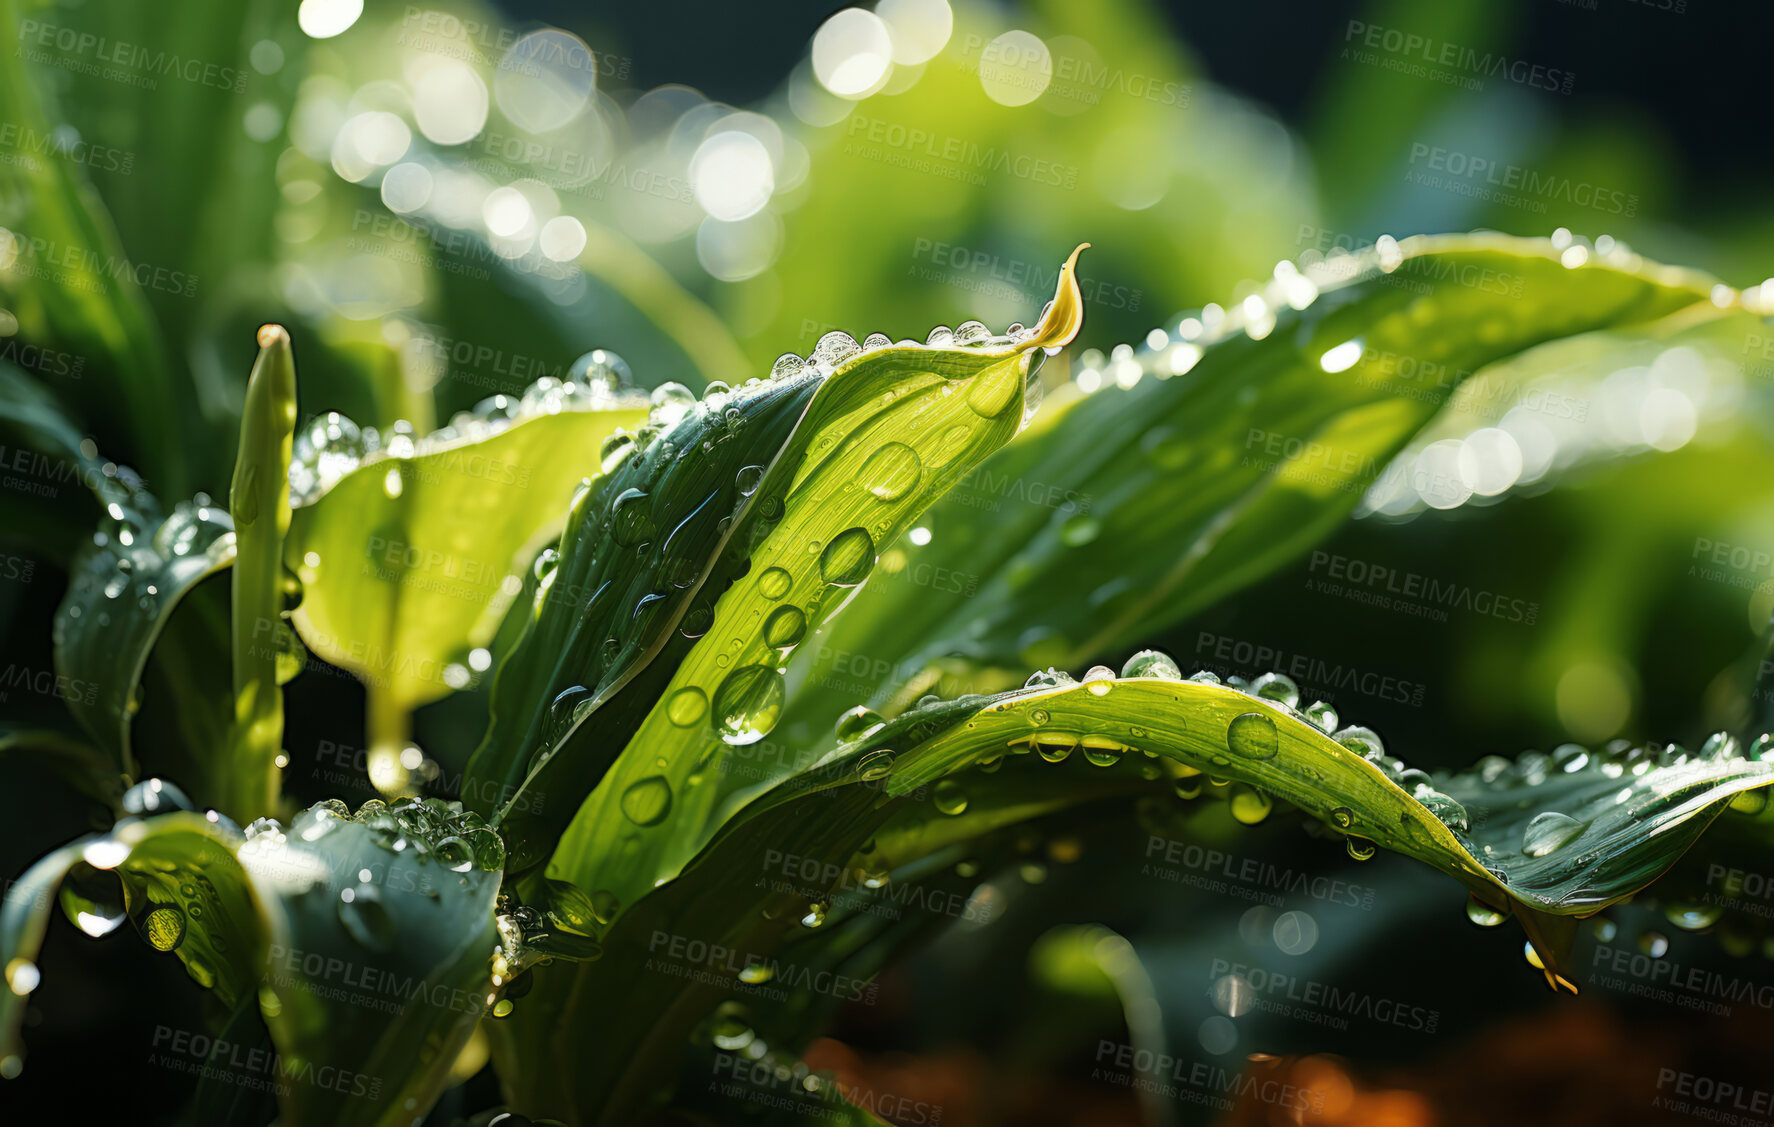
(123, 589)
(409, 561)
(684, 580)
(1206, 481)
(365, 940)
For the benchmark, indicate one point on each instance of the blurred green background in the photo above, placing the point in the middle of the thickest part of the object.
(446, 201)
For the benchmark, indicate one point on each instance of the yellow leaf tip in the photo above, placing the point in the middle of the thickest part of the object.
(1064, 315)
(270, 336)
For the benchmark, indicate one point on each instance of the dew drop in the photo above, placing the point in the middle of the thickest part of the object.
(848, 559)
(875, 766)
(1343, 817)
(1359, 848)
(785, 627)
(164, 928)
(1278, 687)
(1483, 914)
(1447, 810)
(647, 802)
(1250, 805)
(93, 900)
(687, 706)
(995, 389)
(1548, 832)
(489, 848)
(1151, 663)
(630, 520)
(1252, 735)
(891, 472)
(949, 797)
(1654, 944)
(1099, 679)
(1362, 741)
(857, 722)
(671, 402)
(1322, 715)
(774, 583)
(1104, 756)
(747, 704)
(455, 854)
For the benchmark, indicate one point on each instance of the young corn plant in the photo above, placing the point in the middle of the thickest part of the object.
(671, 840)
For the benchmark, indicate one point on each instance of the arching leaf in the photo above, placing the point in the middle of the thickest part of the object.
(1210, 460)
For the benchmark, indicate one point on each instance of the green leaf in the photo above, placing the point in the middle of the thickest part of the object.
(121, 593)
(259, 503)
(410, 560)
(90, 305)
(676, 650)
(173, 877)
(944, 776)
(367, 941)
(1206, 481)
(373, 982)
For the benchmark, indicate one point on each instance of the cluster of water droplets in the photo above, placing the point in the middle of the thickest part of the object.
(137, 555)
(1250, 735)
(331, 445)
(749, 699)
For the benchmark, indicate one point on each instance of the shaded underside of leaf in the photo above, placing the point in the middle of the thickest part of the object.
(935, 783)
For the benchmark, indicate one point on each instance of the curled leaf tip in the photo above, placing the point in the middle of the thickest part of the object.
(1064, 315)
(272, 335)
